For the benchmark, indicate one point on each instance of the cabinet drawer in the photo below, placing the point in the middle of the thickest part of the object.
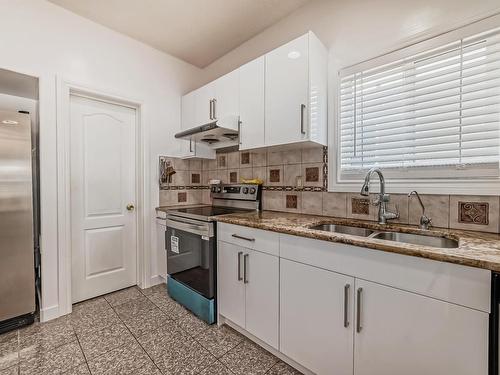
(267, 242)
(466, 286)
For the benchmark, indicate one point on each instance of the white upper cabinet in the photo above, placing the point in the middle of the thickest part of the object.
(252, 130)
(191, 149)
(226, 100)
(203, 104)
(281, 98)
(295, 92)
(187, 111)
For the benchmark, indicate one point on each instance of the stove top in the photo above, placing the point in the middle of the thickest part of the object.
(204, 212)
(226, 199)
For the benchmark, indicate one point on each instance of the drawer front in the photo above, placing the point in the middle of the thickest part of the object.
(462, 285)
(260, 240)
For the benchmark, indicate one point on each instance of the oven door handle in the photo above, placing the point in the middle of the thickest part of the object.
(201, 229)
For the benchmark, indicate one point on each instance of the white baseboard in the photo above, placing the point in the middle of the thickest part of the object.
(155, 280)
(49, 313)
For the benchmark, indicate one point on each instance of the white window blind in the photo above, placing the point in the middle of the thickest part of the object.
(433, 111)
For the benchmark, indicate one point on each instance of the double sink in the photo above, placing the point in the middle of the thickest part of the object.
(409, 238)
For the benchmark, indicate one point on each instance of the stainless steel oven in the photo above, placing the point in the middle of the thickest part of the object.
(190, 246)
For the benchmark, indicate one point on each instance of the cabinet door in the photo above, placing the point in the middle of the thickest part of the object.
(262, 296)
(287, 82)
(316, 318)
(230, 280)
(252, 104)
(227, 101)
(187, 111)
(406, 333)
(203, 111)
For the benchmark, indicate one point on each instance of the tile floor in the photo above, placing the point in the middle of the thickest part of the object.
(133, 331)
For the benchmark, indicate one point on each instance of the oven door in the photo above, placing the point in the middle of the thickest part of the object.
(190, 246)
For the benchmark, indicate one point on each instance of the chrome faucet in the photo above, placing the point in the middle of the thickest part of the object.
(425, 222)
(383, 198)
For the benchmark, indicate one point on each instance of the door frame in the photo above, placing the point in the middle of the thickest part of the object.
(65, 89)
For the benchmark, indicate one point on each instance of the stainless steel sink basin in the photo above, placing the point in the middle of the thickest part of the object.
(344, 229)
(417, 239)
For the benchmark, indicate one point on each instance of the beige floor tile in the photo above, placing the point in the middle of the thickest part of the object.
(219, 340)
(9, 350)
(216, 368)
(248, 359)
(56, 361)
(42, 337)
(99, 342)
(123, 296)
(125, 359)
(192, 324)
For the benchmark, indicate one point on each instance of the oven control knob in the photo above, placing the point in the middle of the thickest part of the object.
(252, 190)
(245, 190)
(213, 189)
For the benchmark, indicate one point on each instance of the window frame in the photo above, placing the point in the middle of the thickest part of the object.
(396, 182)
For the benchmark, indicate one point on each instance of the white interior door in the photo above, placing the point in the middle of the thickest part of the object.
(103, 219)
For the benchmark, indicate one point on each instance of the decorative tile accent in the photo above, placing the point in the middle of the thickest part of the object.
(221, 161)
(274, 175)
(195, 178)
(473, 213)
(233, 177)
(360, 206)
(291, 201)
(312, 174)
(182, 197)
(245, 158)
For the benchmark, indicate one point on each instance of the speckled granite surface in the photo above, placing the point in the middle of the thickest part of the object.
(476, 249)
(133, 332)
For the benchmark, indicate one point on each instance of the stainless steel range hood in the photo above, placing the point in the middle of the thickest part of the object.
(221, 133)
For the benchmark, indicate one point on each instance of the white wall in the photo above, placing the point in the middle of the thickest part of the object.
(355, 30)
(41, 39)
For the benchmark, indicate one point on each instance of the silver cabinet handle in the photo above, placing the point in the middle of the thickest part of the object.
(215, 109)
(190, 145)
(210, 110)
(346, 305)
(243, 238)
(358, 312)
(239, 265)
(302, 110)
(245, 269)
(239, 132)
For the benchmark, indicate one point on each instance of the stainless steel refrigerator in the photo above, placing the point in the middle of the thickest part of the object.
(17, 250)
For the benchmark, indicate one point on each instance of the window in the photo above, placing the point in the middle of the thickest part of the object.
(434, 114)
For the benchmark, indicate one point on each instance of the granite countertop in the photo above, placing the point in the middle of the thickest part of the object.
(475, 249)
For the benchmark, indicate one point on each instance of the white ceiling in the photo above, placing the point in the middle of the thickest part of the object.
(196, 31)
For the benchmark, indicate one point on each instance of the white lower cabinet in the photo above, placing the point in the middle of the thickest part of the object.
(406, 333)
(230, 282)
(316, 318)
(331, 320)
(249, 290)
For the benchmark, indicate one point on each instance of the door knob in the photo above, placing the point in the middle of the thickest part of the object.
(130, 207)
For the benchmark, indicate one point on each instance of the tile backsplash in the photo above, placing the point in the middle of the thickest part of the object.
(295, 180)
